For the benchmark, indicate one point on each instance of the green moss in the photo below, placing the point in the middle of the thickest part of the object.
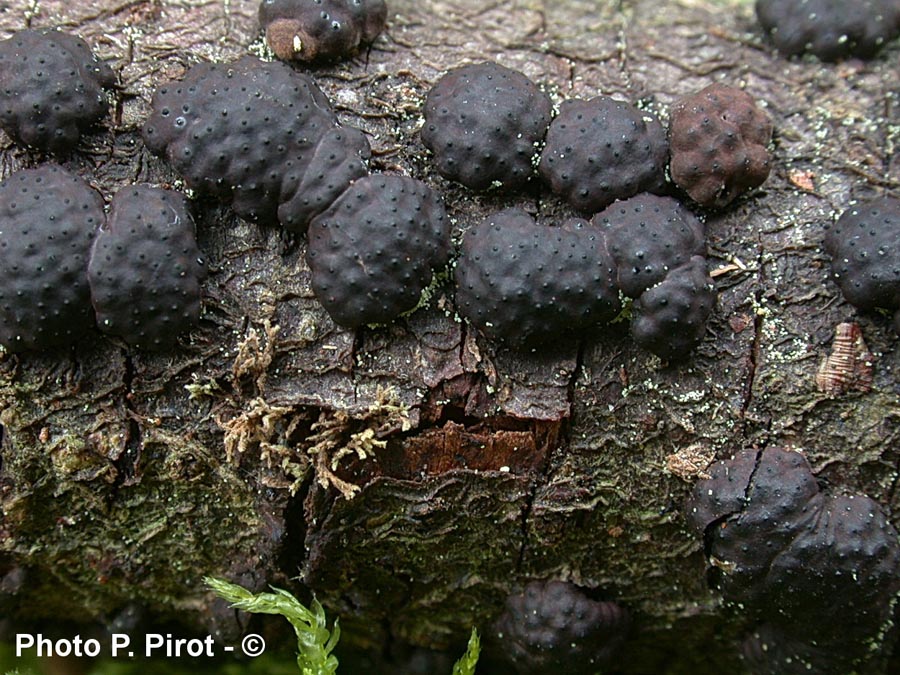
(146, 549)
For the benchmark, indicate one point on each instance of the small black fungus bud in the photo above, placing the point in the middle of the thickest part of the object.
(830, 29)
(145, 268)
(864, 245)
(527, 284)
(259, 136)
(484, 123)
(319, 30)
(718, 139)
(554, 627)
(48, 218)
(51, 89)
(647, 237)
(669, 319)
(820, 571)
(601, 150)
(375, 250)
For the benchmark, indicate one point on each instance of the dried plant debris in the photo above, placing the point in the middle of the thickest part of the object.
(830, 29)
(798, 560)
(145, 269)
(719, 142)
(320, 30)
(376, 249)
(601, 150)
(849, 366)
(259, 136)
(484, 123)
(294, 440)
(51, 89)
(48, 218)
(527, 284)
(864, 245)
(553, 626)
(339, 434)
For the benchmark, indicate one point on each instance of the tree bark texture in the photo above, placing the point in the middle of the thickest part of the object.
(127, 476)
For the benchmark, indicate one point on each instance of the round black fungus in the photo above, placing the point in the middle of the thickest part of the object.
(669, 319)
(374, 251)
(145, 268)
(259, 136)
(830, 29)
(819, 570)
(850, 538)
(647, 237)
(527, 284)
(601, 150)
(781, 492)
(554, 627)
(317, 30)
(48, 218)
(864, 245)
(484, 123)
(51, 89)
(718, 139)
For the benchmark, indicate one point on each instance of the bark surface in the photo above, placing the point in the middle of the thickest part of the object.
(126, 477)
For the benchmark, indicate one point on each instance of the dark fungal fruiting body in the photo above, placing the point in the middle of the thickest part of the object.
(335, 163)
(718, 140)
(145, 269)
(770, 651)
(780, 486)
(375, 249)
(484, 123)
(647, 237)
(253, 134)
(864, 244)
(527, 284)
(51, 89)
(48, 218)
(670, 318)
(553, 626)
(830, 29)
(320, 30)
(820, 571)
(601, 150)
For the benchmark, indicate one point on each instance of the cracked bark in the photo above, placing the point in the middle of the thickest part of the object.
(115, 492)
